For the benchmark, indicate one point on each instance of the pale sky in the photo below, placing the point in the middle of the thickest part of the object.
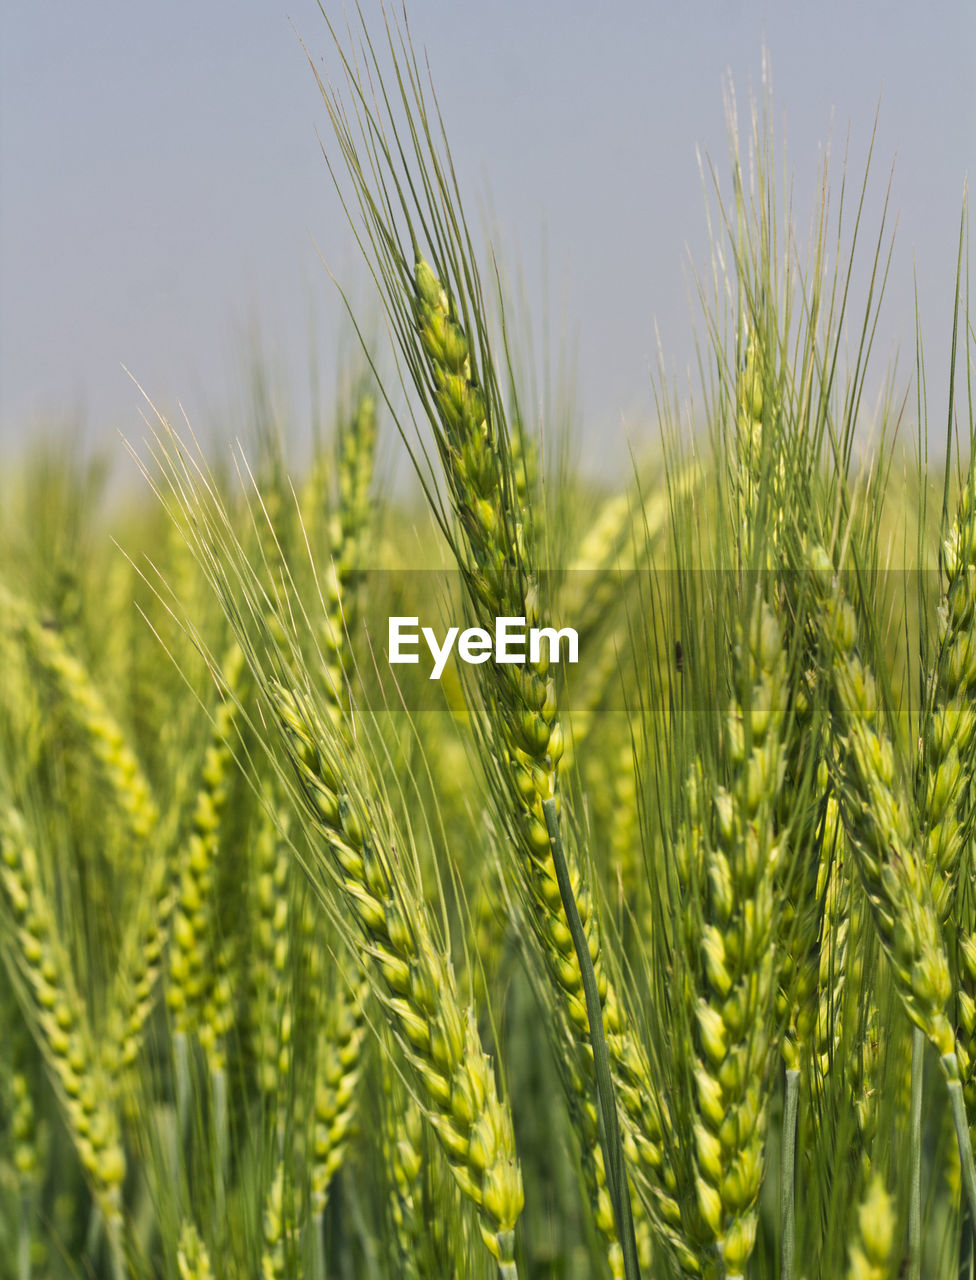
(163, 197)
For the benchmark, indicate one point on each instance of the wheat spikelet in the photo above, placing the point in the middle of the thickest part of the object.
(23, 1127)
(588, 693)
(351, 526)
(575, 1068)
(616, 805)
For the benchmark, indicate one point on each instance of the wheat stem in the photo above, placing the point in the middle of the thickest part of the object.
(950, 1068)
(25, 1232)
(218, 1084)
(915, 1147)
(787, 1201)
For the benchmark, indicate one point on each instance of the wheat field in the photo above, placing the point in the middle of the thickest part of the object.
(658, 963)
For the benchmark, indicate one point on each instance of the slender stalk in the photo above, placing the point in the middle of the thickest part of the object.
(219, 1085)
(787, 1196)
(507, 1271)
(320, 1266)
(99, 1229)
(967, 1255)
(613, 1155)
(950, 1067)
(181, 1071)
(915, 1174)
(117, 1261)
(24, 1232)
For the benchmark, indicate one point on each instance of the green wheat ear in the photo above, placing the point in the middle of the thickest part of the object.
(195, 993)
(729, 939)
(948, 765)
(878, 819)
(949, 741)
(416, 987)
(872, 1249)
(349, 546)
(946, 768)
(273, 919)
(522, 717)
(402, 1137)
(339, 1064)
(279, 1231)
(192, 1257)
(41, 969)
